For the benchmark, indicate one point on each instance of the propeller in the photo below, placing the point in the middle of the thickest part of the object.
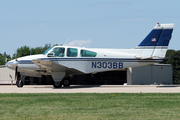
(16, 73)
(19, 83)
(16, 69)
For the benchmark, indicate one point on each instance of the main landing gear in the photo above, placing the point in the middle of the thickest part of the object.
(66, 82)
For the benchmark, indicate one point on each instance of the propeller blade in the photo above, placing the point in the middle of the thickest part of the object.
(16, 73)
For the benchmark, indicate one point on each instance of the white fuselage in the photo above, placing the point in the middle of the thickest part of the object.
(105, 60)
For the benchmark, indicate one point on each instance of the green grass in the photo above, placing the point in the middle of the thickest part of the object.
(88, 106)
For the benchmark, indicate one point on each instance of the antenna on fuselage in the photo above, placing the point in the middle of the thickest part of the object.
(67, 40)
(16, 56)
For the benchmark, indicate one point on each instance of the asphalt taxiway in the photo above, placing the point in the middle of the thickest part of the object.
(91, 89)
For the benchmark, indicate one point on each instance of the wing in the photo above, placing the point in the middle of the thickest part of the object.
(50, 66)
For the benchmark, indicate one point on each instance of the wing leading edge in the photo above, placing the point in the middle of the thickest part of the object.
(50, 66)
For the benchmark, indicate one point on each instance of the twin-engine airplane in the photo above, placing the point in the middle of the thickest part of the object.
(62, 62)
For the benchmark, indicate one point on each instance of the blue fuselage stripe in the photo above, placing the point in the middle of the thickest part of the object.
(91, 59)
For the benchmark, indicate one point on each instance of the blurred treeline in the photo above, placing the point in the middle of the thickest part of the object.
(173, 58)
(23, 51)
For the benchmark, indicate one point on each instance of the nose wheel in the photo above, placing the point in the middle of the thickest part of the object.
(19, 83)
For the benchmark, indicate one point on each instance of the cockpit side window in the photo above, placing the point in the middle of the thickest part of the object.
(87, 53)
(58, 51)
(72, 52)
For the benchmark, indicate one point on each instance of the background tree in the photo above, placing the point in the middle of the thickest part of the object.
(4, 58)
(23, 51)
(173, 58)
(40, 50)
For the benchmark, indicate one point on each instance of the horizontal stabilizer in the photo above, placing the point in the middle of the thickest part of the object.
(145, 57)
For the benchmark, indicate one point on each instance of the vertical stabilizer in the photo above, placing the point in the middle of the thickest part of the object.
(156, 42)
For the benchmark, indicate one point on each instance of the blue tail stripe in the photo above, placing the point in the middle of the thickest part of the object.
(155, 33)
(157, 37)
(165, 37)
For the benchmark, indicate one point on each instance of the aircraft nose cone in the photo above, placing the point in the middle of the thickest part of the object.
(11, 64)
(7, 64)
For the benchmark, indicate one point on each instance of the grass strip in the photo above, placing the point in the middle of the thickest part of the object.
(89, 106)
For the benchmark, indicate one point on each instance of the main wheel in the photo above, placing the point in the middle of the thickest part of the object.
(66, 82)
(19, 83)
(57, 84)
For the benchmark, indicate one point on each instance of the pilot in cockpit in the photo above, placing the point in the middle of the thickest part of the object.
(61, 52)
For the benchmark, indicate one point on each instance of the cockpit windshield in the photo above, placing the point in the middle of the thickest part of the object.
(47, 50)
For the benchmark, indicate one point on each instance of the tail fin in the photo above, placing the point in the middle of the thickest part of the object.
(156, 42)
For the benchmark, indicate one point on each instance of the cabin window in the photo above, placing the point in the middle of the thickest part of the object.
(87, 53)
(58, 51)
(72, 52)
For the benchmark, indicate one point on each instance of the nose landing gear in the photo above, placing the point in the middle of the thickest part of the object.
(19, 83)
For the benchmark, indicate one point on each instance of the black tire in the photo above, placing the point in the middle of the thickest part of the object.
(66, 82)
(19, 83)
(57, 84)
